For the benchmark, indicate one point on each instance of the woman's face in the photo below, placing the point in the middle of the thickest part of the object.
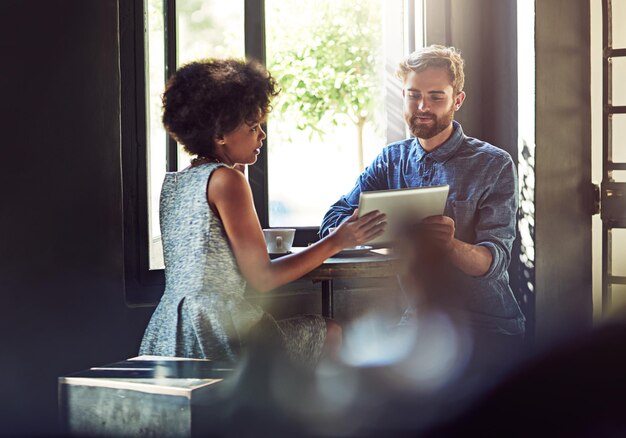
(242, 145)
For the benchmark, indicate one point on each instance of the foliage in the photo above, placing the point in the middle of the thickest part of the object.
(335, 74)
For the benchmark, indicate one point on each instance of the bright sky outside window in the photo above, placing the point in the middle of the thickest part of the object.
(329, 121)
(156, 137)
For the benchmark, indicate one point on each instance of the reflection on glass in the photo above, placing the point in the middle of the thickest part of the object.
(328, 122)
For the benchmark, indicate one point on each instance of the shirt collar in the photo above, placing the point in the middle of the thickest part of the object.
(447, 149)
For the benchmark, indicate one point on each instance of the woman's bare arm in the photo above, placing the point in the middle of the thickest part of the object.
(229, 195)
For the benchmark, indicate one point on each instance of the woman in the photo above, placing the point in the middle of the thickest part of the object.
(212, 240)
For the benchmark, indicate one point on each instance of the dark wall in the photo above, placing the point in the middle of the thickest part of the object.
(563, 170)
(61, 247)
(485, 33)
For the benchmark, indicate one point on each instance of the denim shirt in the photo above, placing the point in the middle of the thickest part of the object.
(482, 201)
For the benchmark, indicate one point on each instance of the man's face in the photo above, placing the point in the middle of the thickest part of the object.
(429, 102)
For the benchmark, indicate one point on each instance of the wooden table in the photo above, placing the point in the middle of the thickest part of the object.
(373, 264)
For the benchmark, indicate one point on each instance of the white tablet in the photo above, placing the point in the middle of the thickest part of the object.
(402, 206)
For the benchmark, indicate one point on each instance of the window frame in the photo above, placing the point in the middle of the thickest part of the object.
(144, 286)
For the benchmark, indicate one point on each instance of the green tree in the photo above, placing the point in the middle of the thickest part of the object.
(336, 74)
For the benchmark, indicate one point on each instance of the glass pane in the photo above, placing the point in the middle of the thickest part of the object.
(619, 175)
(156, 136)
(618, 132)
(329, 121)
(208, 29)
(618, 300)
(618, 246)
(618, 28)
(619, 84)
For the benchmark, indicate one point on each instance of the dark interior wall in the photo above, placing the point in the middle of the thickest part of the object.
(61, 247)
(484, 32)
(563, 169)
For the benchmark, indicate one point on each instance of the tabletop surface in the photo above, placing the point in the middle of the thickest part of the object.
(154, 374)
(375, 263)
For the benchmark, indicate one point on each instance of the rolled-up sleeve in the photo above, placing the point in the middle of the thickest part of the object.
(497, 216)
(372, 178)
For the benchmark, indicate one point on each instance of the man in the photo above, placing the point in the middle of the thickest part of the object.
(477, 229)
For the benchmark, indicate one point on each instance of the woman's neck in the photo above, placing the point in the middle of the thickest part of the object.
(197, 161)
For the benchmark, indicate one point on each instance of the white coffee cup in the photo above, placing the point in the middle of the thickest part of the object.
(279, 240)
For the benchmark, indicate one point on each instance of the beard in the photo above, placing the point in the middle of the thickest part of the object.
(429, 130)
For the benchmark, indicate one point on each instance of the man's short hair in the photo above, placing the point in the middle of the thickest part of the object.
(435, 56)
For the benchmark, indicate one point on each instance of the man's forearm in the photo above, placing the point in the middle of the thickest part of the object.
(474, 260)
(335, 216)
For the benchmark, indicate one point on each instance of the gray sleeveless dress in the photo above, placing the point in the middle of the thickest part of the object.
(203, 312)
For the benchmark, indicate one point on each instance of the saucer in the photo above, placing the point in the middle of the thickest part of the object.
(355, 251)
(275, 255)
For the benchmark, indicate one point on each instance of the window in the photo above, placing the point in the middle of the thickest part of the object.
(340, 104)
(329, 119)
(202, 29)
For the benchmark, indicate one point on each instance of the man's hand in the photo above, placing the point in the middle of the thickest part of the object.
(474, 260)
(441, 230)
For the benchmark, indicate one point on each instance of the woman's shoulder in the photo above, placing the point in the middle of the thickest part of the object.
(226, 181)
(202, 172)
(227, 175)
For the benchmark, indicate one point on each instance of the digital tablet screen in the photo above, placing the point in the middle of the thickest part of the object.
(403, 207)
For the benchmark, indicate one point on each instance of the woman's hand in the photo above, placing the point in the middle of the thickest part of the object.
(230, 197)
(359, 230)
